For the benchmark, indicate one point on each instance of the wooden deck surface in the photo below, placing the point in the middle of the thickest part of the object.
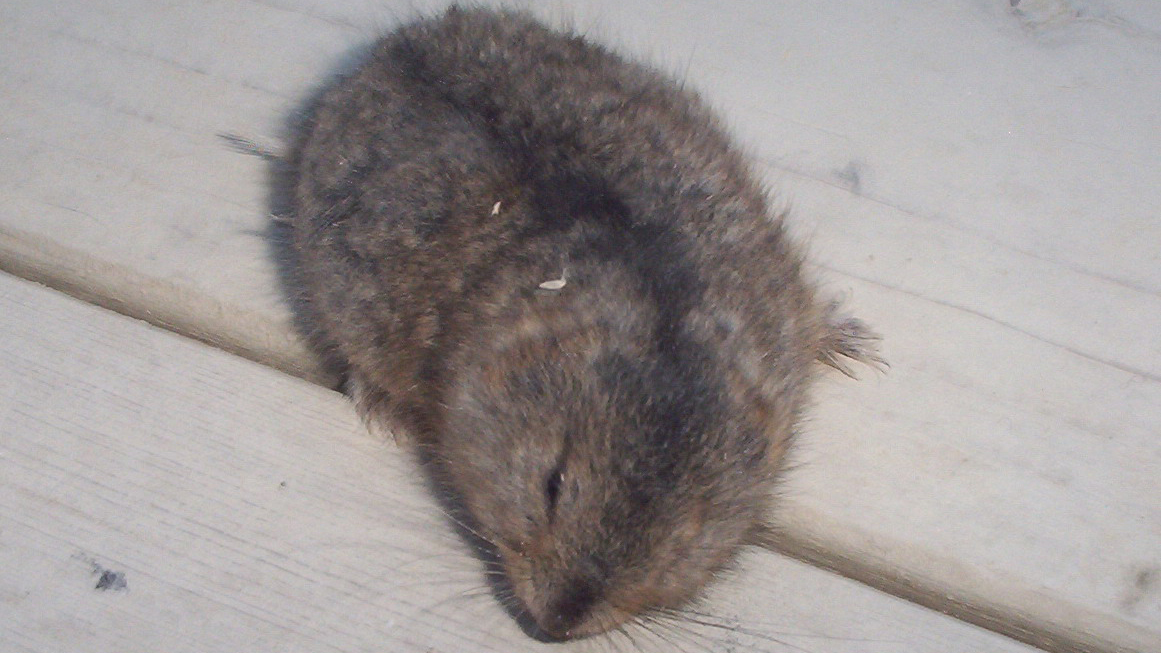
(160, 495)
(982, 178)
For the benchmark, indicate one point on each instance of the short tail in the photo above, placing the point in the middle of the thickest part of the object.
(849, 339)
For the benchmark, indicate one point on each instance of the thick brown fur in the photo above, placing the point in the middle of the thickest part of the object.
(615, 439)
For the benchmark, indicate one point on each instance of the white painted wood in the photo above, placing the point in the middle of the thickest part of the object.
(983, 177)
(224, 506)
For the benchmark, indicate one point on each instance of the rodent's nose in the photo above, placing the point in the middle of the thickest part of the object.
(569, 609)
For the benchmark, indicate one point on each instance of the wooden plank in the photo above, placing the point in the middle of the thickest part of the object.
(983, 177)
(116, 184)
(157, 494)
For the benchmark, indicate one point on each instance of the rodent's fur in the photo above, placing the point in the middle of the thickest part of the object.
(616, 440)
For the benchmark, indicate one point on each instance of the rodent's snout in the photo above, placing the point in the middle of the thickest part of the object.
(561, 609)
(566, 605)
(569, 609)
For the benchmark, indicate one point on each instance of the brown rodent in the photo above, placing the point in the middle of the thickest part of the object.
(550, 269)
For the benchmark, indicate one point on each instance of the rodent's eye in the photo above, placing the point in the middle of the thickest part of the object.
(552, 485)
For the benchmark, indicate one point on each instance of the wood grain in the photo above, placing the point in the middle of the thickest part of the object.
(157, 494)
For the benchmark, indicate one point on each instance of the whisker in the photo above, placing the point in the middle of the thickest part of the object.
(733, 626)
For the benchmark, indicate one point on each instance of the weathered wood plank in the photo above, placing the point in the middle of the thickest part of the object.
(160, 495)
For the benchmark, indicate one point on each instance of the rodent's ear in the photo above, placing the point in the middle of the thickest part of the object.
(847, 338)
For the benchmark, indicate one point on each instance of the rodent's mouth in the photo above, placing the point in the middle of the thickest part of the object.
(560, 625)
(560, 607)
(557, 608)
